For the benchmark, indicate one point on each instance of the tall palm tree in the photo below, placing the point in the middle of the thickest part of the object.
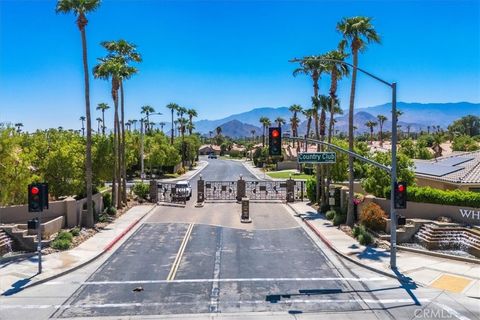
(161, 124)
(172, 107)
(295, 109)
(253, 135)
(129, 125)
(265, 124)
(134, 122)
(357, 32)
(218, 131)
(113, 68)
(128, 53)
(99, 121)
(103, 107)
(280, 121)
(381, 120)
(371, 124)
(408, 130)
(147, 110)
(82, 118)
(191, 113)
(182, 125)
(308, 113)
(80, 10)
(294, 122)
(314, 66)
(19, 126)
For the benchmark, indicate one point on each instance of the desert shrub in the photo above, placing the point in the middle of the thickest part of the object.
(180, 171)
(339, 218)
(365, 238)
(236, 154)
(141, 190)
(75, 231)
(311, 189)
(464, 143)
(372, 217)
(330, 214)
(61, 244)
(111, 211)
(64, 235)
(107, 200)
(103, 218)
(357, 230)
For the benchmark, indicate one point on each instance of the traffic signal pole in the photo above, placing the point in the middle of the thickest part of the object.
(39, 243)
(393, 178)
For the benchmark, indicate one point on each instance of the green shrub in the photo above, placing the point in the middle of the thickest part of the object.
(372, 217)
(324, 207)
(365, 238)
(107, 200)
(64, 235)
(180, 171)
(446, 197)
(330, 214)
(357, 230)
(311, 189)
(141, 190)
(61, 244)
(103, 218)
(464, 143)
(111, 211)
(339, 218)
(75, 231)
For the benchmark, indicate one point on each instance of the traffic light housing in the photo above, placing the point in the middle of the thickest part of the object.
(400, 195)
(37, 197)
(275, 141)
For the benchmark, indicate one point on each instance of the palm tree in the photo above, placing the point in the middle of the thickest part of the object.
(82, 118)
(357, 32)
(337, 71)
(129, 125)
(161, 124)
(19, 126)
(113, 68)
(182, 124)
(103, 106)
(172, 107)
(191, 113)
(295, 108)
(308, 113)
(280, 121)
(294, 122)
(147, 110)
(134, 122)
(371, 124)
(265, 124)
(408, 130)
(127, 52)
(381, 120)
(218, 131)
(314, 67)
(99, 120)
(253, 135)
(80, 9)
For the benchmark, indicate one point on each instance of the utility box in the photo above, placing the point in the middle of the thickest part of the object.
(32, 224)
(245, 218)
(401, 220)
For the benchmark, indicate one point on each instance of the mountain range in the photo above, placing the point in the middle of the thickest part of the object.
(418, 116)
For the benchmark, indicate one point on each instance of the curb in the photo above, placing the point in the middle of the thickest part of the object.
(108, 247)
(341, 254)
(254, 173)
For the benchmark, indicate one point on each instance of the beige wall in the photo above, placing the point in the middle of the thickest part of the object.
(434, 211)
(423, 182)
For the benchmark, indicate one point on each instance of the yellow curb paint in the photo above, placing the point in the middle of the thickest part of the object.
(178, 258)
(451, 283)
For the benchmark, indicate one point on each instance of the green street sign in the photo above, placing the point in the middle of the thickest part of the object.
(317, 157)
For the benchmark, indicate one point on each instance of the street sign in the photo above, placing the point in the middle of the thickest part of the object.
(317, 157)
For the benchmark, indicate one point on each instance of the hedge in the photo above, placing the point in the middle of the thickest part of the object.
(446, 197)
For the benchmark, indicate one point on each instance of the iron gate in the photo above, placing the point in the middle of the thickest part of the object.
(220, 190)
(165, 191)
(255, 190)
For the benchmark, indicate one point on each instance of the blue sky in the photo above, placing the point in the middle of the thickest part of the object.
(224, 57)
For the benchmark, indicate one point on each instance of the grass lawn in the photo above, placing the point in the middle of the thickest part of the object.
(286, 175)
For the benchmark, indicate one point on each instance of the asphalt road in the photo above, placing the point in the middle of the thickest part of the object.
(189, 263)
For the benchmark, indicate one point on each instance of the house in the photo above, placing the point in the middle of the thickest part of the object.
(208, 148)
(460, 170)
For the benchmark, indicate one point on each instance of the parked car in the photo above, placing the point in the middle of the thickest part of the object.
(183, 191)
(212, 156)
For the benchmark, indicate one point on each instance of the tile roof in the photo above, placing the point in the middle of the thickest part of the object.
(462, 167)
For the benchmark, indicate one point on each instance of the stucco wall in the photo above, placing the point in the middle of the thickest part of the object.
(434, 211)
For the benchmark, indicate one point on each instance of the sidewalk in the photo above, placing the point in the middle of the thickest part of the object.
(16, 275)
(189, 174)
(428, 271)
(257, 172)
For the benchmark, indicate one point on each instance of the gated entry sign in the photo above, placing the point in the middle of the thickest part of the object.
(317, 157)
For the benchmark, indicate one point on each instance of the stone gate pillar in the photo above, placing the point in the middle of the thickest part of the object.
(241, 189)
(200, 190)
(290, 190)
(153, 191)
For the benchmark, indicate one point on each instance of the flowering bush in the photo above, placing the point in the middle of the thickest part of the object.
(358, 198)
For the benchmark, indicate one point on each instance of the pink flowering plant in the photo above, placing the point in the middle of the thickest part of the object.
(358, 198)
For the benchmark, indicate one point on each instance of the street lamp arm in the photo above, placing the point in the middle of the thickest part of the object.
(348, 64)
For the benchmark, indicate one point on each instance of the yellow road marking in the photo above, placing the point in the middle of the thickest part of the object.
(178, 258)
(451, 283)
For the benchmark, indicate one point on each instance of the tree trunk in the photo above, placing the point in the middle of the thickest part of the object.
(88, 156)
(173, 129)
(381, 135)
(350, 218)
(103, 121)
(115, 194)
(124, 158)
(317, 136)
(323, 117)
(333, 98)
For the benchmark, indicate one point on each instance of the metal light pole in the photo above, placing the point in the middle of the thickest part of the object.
(393, 169)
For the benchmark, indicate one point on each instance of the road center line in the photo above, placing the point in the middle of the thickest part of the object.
(374, 279)
(178, 258)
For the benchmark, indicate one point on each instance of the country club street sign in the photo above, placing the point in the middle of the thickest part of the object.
(317, 157)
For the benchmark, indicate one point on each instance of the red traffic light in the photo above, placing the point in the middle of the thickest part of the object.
(275, 133)
(401, 187)
(35, 191)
